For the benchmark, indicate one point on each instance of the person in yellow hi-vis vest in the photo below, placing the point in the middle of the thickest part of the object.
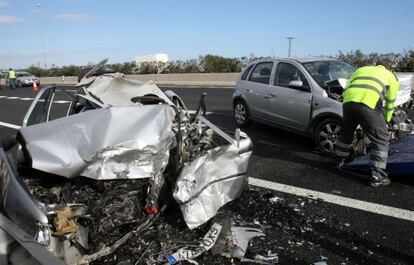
(12, 79)
(368, 101)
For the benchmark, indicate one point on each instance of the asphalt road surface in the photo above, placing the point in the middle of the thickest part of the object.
(359, 224)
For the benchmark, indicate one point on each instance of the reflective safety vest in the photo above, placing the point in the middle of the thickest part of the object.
(372, 85)
(12, 74)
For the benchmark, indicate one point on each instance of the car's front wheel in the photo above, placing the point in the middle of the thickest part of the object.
(19, 84)
(326, 135)
(241, 113)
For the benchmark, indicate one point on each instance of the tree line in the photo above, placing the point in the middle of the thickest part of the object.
(400, 62)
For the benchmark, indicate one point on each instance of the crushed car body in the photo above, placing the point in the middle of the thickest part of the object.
(111, 164)
(103, 143)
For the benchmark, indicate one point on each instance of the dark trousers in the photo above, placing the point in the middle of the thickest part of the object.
(374, 126)
(12, 83)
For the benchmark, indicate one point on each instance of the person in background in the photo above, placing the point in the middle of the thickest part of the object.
(368, 101)
(12, 79)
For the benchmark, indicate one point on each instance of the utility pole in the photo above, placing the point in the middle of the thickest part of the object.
(39, 5)
(290, 45)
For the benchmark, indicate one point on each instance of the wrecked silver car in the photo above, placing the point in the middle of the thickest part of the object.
(75, 189)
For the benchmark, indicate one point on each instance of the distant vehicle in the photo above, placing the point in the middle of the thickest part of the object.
(299, 95)
(24, 79)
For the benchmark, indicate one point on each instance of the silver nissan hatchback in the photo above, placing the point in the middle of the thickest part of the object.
(298, 95)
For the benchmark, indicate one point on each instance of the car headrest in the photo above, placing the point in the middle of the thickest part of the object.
(265, 71)
(323, 69)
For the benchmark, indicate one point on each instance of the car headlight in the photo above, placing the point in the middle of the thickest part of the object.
(43, 234)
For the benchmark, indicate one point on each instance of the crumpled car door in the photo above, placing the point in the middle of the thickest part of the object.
(39, 110)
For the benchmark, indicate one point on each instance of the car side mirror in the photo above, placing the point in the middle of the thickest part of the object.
(296, 84)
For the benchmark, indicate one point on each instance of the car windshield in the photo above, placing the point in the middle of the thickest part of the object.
(324, 71)
(22, 74)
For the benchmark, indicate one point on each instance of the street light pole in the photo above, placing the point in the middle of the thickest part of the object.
(290, 45)
(43, 33)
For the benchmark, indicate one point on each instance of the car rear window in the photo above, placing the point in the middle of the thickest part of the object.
(261, 73)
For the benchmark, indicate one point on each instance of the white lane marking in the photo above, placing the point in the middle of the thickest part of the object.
(9, 125)
(194, 111)
(31, 99)
(338, 200)
(7, 97)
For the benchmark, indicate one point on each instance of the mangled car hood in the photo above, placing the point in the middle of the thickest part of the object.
(406, 84)
(117, 90)
(107, 143)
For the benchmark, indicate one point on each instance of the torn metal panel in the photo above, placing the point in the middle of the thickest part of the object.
(240, 237)
(210, 181)
(105, 143)
(117, 90)
(406, 82)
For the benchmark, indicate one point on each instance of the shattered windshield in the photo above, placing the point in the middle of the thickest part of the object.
(324, 71)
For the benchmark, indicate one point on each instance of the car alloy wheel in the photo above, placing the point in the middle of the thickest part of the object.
(327, 135)
(241, 113)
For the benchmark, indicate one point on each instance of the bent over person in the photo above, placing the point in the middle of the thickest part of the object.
(368, 100)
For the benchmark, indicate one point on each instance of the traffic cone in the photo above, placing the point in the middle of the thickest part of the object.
(34, 88)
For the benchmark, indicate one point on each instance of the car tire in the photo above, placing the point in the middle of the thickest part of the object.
(326, 135)
(241, 113)
(19, 84)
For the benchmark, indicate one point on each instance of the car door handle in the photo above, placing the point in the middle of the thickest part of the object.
(273, 95)
(248, 90)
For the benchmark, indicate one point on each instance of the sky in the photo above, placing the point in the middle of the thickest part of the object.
(63, 32)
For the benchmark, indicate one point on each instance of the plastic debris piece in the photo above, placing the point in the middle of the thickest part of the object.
(239, 240)
(273, 257)
(275, 199)
(63, 222)
(151, 209)
(189, 253)
(320, 263)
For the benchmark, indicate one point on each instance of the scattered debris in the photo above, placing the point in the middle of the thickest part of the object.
(102, 176)
(189, 253)
(275, 199)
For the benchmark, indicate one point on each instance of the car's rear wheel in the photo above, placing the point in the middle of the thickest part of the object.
(19, 84)
(326, 135)
(241, 113)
